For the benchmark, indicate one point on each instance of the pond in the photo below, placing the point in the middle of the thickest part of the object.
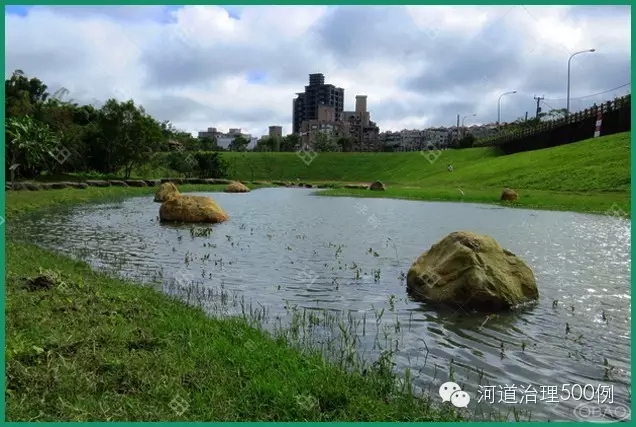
(287, 251)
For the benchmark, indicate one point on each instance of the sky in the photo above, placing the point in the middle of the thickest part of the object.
(240, 67)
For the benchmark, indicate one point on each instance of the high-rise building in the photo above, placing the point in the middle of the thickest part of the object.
(363, 132)
(275, 131)
(317, 93)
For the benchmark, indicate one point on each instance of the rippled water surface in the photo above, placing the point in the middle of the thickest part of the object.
(286, 249)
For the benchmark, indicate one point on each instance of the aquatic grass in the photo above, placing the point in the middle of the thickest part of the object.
(95, 347)
(305, 331)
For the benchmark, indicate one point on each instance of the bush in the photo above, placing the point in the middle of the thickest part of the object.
(210, 165)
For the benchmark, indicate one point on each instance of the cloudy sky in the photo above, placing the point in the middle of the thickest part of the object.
(208, 66)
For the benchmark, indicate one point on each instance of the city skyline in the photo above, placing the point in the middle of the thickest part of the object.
(417, 72)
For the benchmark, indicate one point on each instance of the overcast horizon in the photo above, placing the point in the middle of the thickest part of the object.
(241, 67)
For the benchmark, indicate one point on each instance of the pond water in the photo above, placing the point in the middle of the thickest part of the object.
(287, 251)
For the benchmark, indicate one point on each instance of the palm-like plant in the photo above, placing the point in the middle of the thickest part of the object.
(28, 144)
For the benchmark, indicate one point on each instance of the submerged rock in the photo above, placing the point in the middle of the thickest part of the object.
(236, 187)
(181, 208)
(471, 271)
(165, 191)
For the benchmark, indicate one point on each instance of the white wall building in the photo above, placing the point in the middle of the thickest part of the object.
(224, 140)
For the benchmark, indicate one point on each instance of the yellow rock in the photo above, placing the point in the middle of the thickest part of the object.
(165, 191)
(236, 187)
(184, 208)
(471, 271)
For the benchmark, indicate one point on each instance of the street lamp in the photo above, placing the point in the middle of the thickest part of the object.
(567, 107)
(464, 127)
(499, 105)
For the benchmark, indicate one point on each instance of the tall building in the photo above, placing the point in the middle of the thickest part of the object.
(325, 123)
(360, 128)
(275, 131)
(317, 93)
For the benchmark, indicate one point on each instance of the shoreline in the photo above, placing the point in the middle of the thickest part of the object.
(112, 349)
(602, 203)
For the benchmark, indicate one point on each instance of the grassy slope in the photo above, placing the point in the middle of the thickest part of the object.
(596, 165)
(588, 176)
(99, 348)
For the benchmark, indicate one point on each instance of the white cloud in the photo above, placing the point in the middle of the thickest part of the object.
(191, 64)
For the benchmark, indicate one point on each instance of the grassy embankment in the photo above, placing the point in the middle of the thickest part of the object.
(587, 176)
(93, 347)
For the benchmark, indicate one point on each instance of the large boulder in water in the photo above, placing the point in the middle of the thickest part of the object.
(182, 208)
(165, 191)
(471, 271)
(236, 187)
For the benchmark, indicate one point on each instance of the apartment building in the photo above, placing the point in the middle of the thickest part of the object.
(359, 127)
(325, 123)
(224, 140)
(317, 93)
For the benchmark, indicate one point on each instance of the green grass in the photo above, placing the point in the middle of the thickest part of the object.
(97, 348)
(22, 202)
(587, 176)
(595, 165)
(599, 203)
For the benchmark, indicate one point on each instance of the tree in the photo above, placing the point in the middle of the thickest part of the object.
(208, 143)
(554, 114)
(266, 144)
(324, 142)
(111, 139)
(239, 143)
(29, 146)
(345, 143)
(290, 143)
(467, 141)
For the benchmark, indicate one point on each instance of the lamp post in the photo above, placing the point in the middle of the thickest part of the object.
(567, 107)
(463, 127)
(499, 105)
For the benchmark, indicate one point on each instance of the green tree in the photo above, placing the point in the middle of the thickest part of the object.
(289, 143)
(324, 142)
(345, 143)
(467, 141)
(239, 143)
